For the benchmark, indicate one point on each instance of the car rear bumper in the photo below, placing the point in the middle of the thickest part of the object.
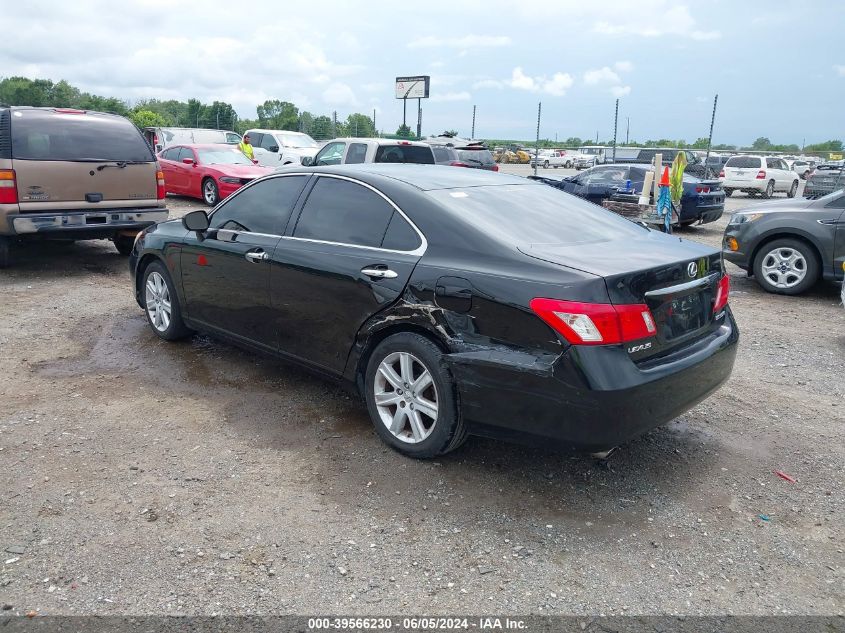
(753, 184)
(590, 399)
(109, 221)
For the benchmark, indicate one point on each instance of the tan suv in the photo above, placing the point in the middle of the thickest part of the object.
(75, 175)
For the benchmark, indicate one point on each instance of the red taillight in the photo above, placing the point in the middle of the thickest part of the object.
(761, 174)
(495, 168)
(457, 163)
(595, 323)
(722, 294)
(702, 189)
(8, 187)
(722, 174)
(160, 192)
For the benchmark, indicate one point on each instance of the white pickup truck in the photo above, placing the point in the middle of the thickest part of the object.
(552, 158)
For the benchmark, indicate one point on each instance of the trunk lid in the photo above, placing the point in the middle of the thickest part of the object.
(676, 279)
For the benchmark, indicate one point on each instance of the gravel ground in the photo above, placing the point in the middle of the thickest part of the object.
(141, 477)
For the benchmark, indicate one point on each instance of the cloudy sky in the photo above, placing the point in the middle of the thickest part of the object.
(778, 66)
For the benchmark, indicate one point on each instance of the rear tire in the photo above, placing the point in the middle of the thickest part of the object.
(545, 164)
(770, 189)
(792, 190)
(162, 304)
(210, 192)
(800, 271)
(124, 244)
(729, 193)
(5, 252)
(427, 423)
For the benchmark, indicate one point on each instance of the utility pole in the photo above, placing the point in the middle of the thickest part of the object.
(419, 119)
(615, 121)
(537, 144)
(374, 123)
(710, 137)
(473, 123)
(334, 124)
(627, 129)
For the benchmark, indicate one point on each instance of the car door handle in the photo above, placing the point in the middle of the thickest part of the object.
(257, 256)
(380, 273)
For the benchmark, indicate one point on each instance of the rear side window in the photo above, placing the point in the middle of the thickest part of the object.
(441, 154)
(46, 135)
(265, 207)
(476, 156)
(744, 162)
(405, 154)
(400, 236)
(357, 153)
(344, 212)
(5, 134)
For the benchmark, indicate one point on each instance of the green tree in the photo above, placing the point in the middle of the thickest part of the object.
(762, 143)
(278, 115)
(359, 125)
(147, 118)
(403, 131)
(321, 128)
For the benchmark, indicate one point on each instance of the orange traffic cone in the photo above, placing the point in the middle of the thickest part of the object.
(664, 179)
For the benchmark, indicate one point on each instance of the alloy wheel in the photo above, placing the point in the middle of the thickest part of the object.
(158, 301)
(209, 192)
(784, 267)
(406, 397)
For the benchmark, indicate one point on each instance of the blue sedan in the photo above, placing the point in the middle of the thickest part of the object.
(703, 201)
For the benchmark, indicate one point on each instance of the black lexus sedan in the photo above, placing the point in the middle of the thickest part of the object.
(456, 301)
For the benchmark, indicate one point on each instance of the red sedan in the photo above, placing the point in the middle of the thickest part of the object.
(210, 172)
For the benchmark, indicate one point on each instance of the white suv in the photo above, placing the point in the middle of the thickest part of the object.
(346, 151)
(762, 175)
(274, 148)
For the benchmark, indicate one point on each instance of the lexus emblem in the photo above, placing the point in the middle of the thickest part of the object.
(692, 269)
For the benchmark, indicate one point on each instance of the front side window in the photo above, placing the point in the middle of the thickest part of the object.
(172, 153)
(232, 138)
(331, 154)
(221, 156)
(344, 212)
(268, 142)
(264, 207)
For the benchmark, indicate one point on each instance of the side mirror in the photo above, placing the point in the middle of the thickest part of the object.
(188, 161)
(196, 221)
(159, 147)
(254, 161)
(274, 148)
(307, 161)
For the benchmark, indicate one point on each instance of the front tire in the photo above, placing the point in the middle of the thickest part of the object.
(210, 192)
(162, 304)
(729, 193)
(786, 267)
(792, 190)
(124, 244)
(545, 164)
(411, 397)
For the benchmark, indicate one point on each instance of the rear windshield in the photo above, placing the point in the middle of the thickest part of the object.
(535, 214)
(420, 154)
(743, 161)
(39, 135)
(476, 156)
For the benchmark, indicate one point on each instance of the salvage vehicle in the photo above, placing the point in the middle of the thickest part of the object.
(551, 158)
(209, 172)
(457, 152)
(70, 175)
(758, 175)
(825, 179)
(352, 151)
(276, 148)
(788, 245)
(702, 201)
(448, 312)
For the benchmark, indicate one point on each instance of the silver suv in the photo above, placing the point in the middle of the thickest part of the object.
(347, 151)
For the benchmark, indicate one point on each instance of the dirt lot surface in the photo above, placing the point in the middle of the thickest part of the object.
(139, 477)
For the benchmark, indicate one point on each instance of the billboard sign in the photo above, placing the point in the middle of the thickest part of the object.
(413, 87)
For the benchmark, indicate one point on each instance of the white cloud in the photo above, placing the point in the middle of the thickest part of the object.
(620, 91)
(467, 41)
(522, 81)
(339, 94)
(624, 66)
(601, 75)
(840, 69)
(451, 96)
(556, 86)
(656, 20)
